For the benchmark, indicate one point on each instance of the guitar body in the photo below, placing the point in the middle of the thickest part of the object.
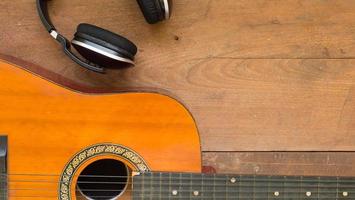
(54, 134)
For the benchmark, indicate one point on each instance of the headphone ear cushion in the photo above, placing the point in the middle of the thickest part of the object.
(106, 38)
(103, 47)
(152, 10)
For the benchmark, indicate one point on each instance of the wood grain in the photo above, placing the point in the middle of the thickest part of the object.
(283, 163)
(257, 75)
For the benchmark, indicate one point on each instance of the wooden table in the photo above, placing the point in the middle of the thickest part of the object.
(258, 76)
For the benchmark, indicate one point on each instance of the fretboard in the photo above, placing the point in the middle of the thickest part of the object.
(240, 187)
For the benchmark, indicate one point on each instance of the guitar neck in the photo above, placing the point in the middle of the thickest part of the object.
(240, 187)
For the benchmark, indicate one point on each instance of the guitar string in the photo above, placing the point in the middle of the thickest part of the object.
(117, 182)
(40, 175)
(6, 180)
(185, 190)
(200, 175)
(241, 197)
(180, 197)
(287, 188)
(212, 177)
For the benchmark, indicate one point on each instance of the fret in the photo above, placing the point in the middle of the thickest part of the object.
(3, 187)
(292, 188)
(155, 181)
(214, 186)
(246, 187)
(186, 184)
(268, 188)
(309, 189)
(261, 187)
(232, 187)
(254, 188)
(160, 185)
(337, 194)
(137, 187)
(196, 186)
(346, 188)
(175, 186)
(276, 187)
(220, 186)
(207, 185)
(318, 187)
(146, 186)
(327, 188)
(3, 168)
(152, 184)
(165, 187)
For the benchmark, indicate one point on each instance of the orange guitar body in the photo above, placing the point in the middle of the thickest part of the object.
(54, 132)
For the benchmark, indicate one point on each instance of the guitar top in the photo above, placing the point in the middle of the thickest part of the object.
(47, 126)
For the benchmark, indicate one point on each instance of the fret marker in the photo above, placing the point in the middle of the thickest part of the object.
(276, 193)
(345, 194)
(233, 180)
(308, 194)
(196, 193)
(174, 192)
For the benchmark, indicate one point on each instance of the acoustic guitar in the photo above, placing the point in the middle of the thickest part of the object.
(59, 144)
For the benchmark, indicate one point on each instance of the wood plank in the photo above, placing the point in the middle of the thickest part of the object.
(236, 28)
(243, 68)
(282, 163)
(265, 105)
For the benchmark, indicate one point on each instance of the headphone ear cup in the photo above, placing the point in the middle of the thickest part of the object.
(103, 47)
(152, 10)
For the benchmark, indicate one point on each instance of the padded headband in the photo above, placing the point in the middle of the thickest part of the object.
(122, 43)
(43, 14)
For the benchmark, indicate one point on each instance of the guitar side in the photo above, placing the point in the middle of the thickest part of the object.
(48, 125)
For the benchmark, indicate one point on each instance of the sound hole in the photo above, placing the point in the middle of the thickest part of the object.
(103, 180)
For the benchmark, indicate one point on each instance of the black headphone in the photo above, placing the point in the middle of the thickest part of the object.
(103, 48)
